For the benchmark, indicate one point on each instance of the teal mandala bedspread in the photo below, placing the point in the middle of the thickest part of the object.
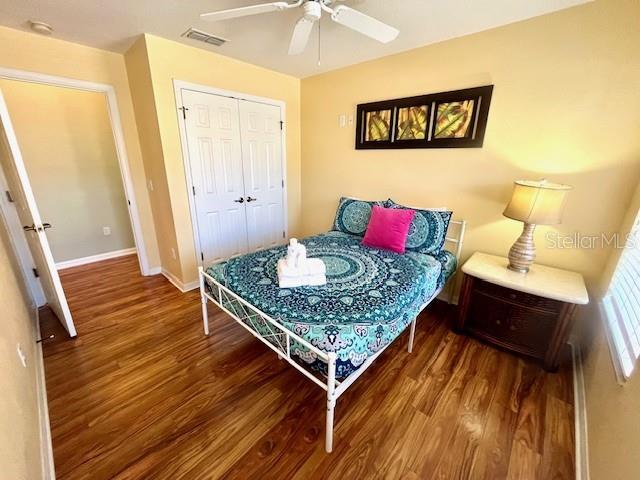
(370, 297)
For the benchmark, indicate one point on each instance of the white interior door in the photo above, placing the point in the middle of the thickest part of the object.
(16, 176)
(9, 211)
(215, 158)
(263, 177)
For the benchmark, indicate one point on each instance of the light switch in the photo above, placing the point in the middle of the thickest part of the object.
(21, 355)
(106, 231)
(342, 120)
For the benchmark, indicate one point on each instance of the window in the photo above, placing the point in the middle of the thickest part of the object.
(622, 305)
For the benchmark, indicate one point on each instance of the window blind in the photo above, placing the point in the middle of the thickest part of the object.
(622, 304)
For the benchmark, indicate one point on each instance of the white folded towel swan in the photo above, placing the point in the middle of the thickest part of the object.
(296, 270)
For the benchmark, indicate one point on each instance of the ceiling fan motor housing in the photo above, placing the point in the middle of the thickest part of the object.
(312, 11)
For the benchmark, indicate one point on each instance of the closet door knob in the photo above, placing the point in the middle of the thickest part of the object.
(240, 200)
(250, 199)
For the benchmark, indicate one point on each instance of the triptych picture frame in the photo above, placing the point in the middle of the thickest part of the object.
(455, 119)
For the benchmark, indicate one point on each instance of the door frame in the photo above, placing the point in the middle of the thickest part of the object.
(178, 86)
(118, 137)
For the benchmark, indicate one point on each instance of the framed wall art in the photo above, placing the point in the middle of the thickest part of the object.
(455, 119)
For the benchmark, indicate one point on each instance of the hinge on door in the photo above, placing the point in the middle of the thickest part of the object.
(283, 236)
(184, 112)
(202, 256)
(282, 183)
(35, 272)
(194, 190)
(9, 197)
(129, 202)
(281, 125)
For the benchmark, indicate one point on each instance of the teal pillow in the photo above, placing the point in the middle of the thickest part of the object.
(353, 215)
(428, 229)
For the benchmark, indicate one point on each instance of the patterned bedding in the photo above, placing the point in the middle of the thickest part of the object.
(370, 297)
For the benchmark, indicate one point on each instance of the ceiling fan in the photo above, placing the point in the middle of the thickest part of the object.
(313, 9)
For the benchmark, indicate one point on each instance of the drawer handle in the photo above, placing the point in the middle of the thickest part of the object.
(512, 296)
(498, 322)
(512, 328)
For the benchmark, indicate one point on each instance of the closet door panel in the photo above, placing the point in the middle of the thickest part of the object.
(213, 141)
(262, 166)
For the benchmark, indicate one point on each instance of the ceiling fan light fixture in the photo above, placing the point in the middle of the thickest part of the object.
(312, 11)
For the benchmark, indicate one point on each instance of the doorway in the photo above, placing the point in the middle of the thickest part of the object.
(234, 159)
(65, 170)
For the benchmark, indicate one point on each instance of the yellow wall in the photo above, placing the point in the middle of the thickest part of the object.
(564, 107)
(35, 53)
(613, 416)
(20, 456)
(168, 60)
(67, 145)
(145, 110)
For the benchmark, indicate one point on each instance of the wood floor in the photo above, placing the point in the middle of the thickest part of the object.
(142, 393)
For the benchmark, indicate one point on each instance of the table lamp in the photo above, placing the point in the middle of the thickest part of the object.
(534, 203)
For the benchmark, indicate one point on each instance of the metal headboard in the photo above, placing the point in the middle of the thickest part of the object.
(456, 238)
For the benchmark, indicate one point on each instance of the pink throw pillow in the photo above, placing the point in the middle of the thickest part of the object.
(388, 228)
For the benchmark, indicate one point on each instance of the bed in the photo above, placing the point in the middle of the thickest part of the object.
(332, 333)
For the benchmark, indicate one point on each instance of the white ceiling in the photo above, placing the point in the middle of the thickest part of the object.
(263, 39)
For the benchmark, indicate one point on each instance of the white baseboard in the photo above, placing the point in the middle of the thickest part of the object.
(183, 287)
(95, 258)
(46, 445)
(580, 412)
(154, 271)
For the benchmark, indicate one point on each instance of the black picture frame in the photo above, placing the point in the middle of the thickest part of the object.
(463, 131)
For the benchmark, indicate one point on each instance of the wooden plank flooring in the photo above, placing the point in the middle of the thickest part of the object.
(142, 393)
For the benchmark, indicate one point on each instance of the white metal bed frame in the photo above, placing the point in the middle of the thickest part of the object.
(279, 338)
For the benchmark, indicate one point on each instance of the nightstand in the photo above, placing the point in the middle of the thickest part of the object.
(527, 313)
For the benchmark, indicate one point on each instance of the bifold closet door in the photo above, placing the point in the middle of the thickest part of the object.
(260, 131)
(213, 140)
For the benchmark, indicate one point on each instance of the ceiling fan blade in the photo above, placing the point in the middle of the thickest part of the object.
(300, 37)
(244, 11)
(364, 24)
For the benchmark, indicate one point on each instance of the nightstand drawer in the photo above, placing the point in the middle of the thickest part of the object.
(519, 298)
(512, 326)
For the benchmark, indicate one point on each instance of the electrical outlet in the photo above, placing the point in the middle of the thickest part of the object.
(21, 355)
(173, 254)
(106, 231)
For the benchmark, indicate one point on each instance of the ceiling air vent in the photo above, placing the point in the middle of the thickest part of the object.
(205, 37)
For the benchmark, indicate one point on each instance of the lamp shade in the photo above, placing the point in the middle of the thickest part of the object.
(537, 202)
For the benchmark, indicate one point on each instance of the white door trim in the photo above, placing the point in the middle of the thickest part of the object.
(178, 86)
(118, 137)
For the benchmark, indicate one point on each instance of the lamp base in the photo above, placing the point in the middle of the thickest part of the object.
(523, 252)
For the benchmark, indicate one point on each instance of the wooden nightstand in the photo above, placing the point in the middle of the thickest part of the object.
(527, 313)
